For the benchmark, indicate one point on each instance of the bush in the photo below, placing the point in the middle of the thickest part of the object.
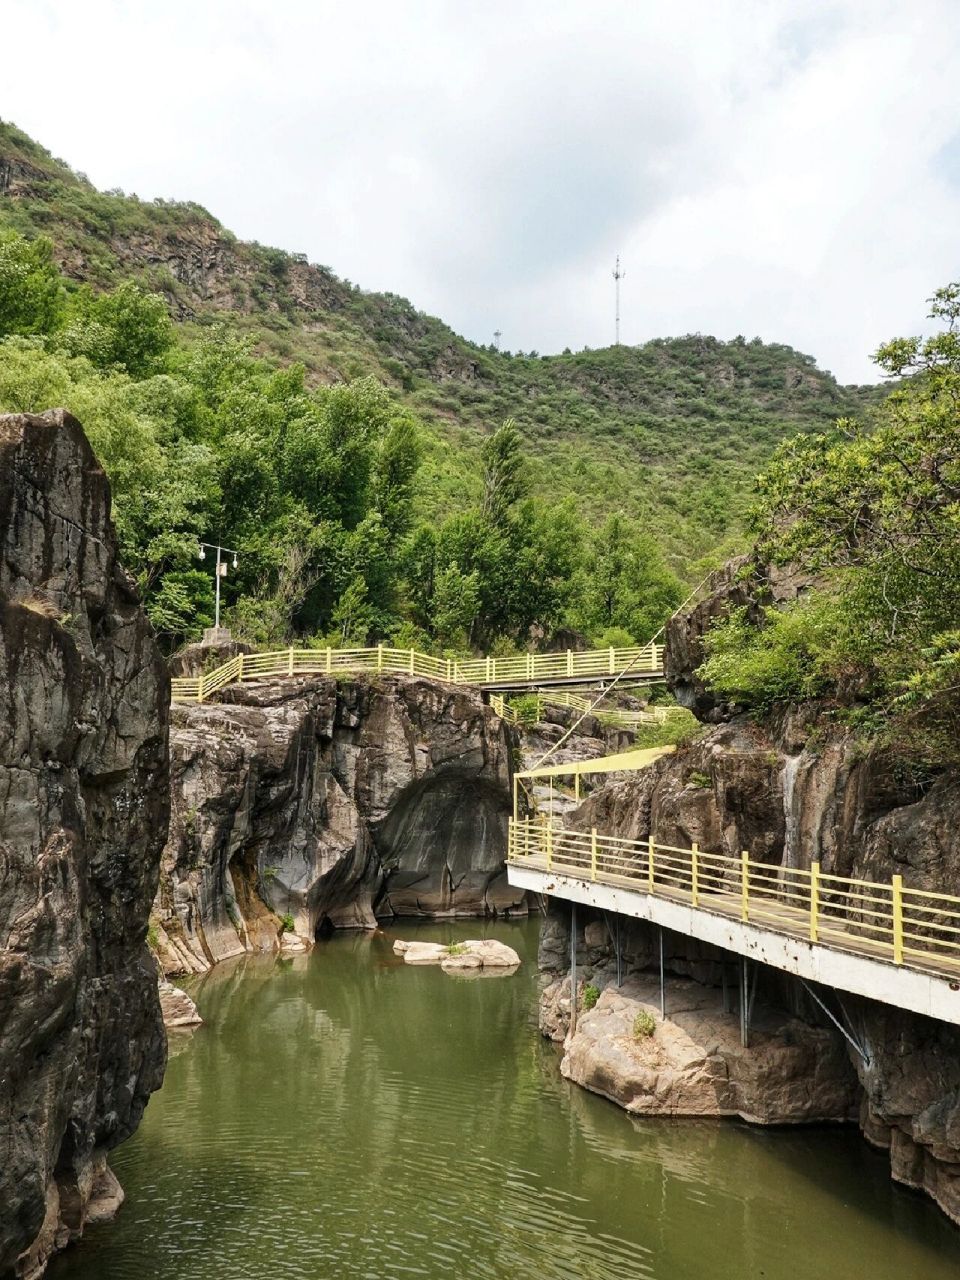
(643, 1025)
(591, 994)
(287, 923)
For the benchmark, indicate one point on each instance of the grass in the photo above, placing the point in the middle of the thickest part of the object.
(644, 1025)
(456, 949)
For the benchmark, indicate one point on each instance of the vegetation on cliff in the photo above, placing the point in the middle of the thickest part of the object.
(203, 366)
(873, 515)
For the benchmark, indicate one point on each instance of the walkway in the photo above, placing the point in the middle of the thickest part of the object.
(522, 672)
(887, 942)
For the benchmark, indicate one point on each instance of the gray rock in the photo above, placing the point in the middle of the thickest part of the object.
(83, 816)
(336, 803)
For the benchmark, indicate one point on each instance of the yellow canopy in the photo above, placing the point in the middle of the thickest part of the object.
(605, 764)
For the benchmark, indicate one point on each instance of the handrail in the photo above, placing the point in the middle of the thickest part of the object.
(883, 921)
(476, 671)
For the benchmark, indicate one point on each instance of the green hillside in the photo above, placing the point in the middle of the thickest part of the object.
(668, 435)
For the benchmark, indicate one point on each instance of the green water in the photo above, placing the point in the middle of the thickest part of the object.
(344, 1115)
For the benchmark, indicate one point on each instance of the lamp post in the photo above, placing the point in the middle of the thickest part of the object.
(220, 571)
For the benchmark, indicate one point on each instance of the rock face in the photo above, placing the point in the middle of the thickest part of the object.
(692, 1062)
(83, 816)
(332, 803)
(791, 790)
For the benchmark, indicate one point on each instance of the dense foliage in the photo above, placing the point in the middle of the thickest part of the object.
(668, 435)
(315, 488)
(872, 513)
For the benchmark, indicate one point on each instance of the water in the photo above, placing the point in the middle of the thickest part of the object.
(342, 1114)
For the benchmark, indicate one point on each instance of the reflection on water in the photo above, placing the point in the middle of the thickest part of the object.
(342, 1114)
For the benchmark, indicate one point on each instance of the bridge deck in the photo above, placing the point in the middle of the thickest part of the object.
(815, 941)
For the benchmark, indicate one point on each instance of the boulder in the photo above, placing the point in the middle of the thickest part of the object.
(177, 1007)
(484, 953)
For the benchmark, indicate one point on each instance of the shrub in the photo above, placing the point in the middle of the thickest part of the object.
(455, 949)
(591, 994)
(698, 779)
(287, 923)
(643, 1025)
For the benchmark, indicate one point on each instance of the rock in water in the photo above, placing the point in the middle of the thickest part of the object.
(83, 817)
(177, 1007)
(484, 953)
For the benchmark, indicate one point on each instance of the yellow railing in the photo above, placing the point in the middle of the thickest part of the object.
(615, 716)
(891, 922)
(476, 671)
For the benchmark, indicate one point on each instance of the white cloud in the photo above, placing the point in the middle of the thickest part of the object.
(781, 169)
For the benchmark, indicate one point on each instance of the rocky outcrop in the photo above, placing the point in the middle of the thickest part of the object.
(475, 953)
(691, 1063)
(799, 788)
(740, 584)
(307, 804)
(83, 816)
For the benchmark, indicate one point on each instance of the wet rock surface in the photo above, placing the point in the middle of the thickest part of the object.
(83, 816)
(300, 805)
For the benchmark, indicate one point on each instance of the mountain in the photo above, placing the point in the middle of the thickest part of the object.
(670, 433)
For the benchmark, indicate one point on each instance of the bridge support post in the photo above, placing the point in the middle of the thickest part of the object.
(663, 981)
(725, 988)
(573, 968)
(744, 1004)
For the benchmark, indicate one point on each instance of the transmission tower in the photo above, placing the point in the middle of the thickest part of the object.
(497, 335)
(618, 276)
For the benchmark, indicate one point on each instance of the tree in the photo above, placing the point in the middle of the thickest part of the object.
(127, 329)
(31, 293)
(505, 479)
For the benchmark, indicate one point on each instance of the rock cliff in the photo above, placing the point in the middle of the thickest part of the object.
(83, 815)
(793, 789)
(317, 803)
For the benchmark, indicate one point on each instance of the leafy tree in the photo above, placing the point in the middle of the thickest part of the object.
(127, 328)
(31, 293)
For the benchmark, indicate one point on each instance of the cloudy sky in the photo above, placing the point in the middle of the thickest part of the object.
(784, 169)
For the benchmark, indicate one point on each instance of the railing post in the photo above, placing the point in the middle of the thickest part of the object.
(411, 661)
(200, 688)
(611, 659)
(814, 899)
(290, 662)
(380, 656)
(593, 853)
(897, 888)
(329, 659)
(576, 786)
(449, 672)
(239, 667)
(744, 885)
(649, 859)
(569, 662)
(694, 875)
(529, 666)
(549, 838)
(487, 677)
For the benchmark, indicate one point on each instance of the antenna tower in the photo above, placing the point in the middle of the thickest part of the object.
(618, 276)
(497, 335)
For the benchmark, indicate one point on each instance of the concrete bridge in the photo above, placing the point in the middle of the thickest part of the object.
(885, 941)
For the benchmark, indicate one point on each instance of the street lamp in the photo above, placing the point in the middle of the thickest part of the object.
(220, 572)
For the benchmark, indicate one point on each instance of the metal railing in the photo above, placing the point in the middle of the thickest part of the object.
(886, 921)
(615, 716)
(475, 671)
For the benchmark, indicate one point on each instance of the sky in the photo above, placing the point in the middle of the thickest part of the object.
(788, 170)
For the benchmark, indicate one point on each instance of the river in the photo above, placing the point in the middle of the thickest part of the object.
(344, 1115)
